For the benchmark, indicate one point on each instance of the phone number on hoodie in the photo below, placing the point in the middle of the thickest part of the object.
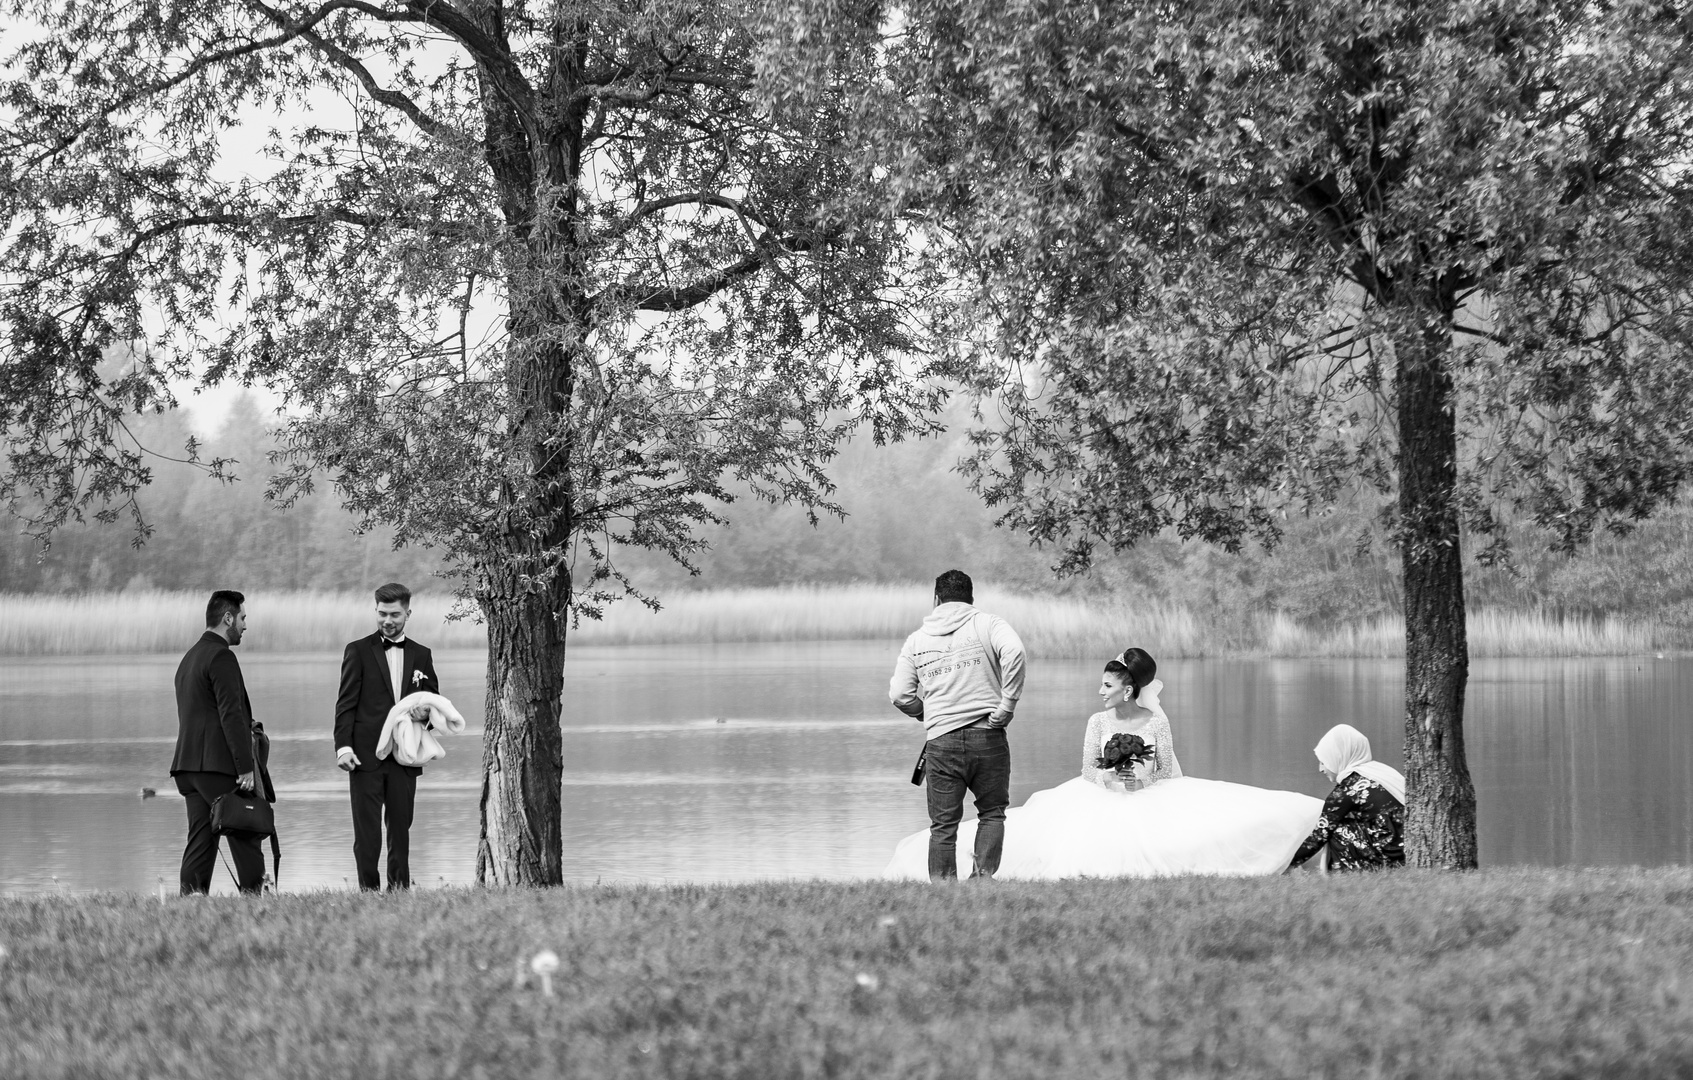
(960, 666)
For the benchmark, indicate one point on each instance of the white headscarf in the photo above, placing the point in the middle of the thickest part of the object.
(1346, 750)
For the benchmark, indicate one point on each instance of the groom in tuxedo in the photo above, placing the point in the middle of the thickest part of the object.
(377, 671)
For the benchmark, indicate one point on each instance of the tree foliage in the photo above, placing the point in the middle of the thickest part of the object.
(1198, 229)
(1226, 261)
(718, 316)
(533, 278)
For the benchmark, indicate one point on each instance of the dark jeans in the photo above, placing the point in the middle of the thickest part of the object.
(977, 759)
(385, 791)
(199, 858)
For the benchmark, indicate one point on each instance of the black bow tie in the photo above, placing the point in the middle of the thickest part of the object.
(387, 644)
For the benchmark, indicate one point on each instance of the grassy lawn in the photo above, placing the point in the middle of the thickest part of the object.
(1502, 973)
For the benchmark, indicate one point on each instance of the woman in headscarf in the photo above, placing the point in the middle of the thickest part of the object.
(1363, 819)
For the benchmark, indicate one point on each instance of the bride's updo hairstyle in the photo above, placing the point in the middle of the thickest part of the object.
(1136, 667)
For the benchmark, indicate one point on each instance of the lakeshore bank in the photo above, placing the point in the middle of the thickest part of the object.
(1507, 973)
(39, 624)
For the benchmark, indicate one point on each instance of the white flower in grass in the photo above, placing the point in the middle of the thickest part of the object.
(867, 981)
(544, 964)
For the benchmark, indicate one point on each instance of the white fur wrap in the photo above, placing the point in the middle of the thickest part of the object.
(410, 741)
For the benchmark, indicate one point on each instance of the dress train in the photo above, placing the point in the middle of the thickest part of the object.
(1181, 825)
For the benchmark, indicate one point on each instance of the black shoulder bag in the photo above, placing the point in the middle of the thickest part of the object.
(247, 814)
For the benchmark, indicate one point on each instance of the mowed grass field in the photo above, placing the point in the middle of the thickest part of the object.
(1051, 626)
(1410, 974)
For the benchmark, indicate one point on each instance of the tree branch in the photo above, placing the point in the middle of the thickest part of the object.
(1320, 197)
(196, 66)
(653, 206)
(394, 99)
(681, 297)
(1486, 335)
(491, 53)
(191, 221)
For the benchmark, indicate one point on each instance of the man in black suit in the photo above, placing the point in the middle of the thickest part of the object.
(377, 671)
(214, 746)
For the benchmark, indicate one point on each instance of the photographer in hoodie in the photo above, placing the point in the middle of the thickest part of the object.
(961, 674)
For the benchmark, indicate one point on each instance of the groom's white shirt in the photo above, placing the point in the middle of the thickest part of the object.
(396, 668)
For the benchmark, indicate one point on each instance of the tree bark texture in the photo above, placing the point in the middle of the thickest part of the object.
(525, 599)
(534, 155)
(522, 747)
(1440, 817)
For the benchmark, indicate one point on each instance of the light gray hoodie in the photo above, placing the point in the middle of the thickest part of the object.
(962, 665)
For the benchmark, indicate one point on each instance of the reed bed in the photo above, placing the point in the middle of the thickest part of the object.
(1050, 626)
(163, 622)
(1491, 632)
(157, 622)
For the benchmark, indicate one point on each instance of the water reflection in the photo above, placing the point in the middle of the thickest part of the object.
(738, 762)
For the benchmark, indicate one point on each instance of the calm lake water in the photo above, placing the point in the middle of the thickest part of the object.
(738, 762)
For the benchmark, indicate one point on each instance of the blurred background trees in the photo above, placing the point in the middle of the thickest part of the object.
(1332, 568)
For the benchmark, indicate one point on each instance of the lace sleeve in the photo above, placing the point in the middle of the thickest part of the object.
(1092, 743)
(1164, 763)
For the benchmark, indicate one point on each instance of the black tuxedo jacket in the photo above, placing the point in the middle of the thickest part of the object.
(214, 719)
(215, 729)
(366, 694)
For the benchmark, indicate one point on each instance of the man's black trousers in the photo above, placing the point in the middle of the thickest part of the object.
(389, 790)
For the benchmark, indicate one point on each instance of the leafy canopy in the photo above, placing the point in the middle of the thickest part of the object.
(537, 270)
(1192, 239)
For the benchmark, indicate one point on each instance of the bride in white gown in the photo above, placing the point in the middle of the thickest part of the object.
(1144, 821)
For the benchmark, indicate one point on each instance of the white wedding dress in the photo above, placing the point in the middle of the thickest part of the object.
(1092, 826)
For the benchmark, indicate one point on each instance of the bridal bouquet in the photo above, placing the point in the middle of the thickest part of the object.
(1120, 751)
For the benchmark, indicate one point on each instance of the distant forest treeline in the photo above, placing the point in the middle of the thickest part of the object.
(910, 516)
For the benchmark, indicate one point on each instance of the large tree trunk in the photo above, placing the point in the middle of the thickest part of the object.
(525, 586)
(1440, 818)
(522, 747)
(525, 595)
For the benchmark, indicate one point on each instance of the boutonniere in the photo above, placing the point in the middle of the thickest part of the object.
(417, 677)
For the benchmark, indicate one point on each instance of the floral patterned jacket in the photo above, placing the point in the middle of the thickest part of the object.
(1362, 824)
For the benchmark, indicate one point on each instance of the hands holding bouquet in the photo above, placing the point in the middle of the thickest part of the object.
(1122, 752)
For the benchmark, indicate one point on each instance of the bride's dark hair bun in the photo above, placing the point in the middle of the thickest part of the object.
(1136, 666)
